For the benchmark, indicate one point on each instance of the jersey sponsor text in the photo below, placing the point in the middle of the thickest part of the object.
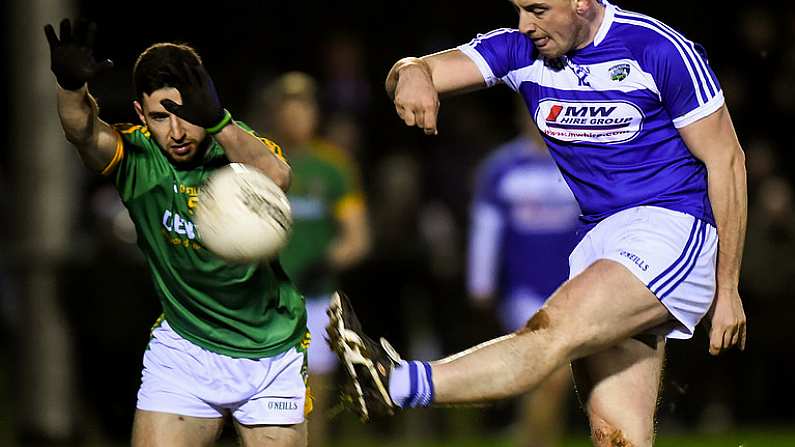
(597, 122)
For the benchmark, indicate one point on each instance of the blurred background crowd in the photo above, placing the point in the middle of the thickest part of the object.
(76, 303)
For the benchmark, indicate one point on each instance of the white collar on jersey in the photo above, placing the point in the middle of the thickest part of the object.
(607, 22)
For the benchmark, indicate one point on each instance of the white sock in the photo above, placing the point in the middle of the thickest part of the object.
(411, 384)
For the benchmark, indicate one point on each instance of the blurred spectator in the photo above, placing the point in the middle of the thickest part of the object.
(768, 264)
(758, 28)
(398, 271)
(330, 230)
(768, 279)
(343, 131)
(346, 88)
(761, 164)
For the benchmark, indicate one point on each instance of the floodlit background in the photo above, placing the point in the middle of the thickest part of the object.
(76, 304)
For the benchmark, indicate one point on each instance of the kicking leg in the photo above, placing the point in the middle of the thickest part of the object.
(596, 309)
(619, 388)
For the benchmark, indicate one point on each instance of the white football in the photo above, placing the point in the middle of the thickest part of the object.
(242, 216)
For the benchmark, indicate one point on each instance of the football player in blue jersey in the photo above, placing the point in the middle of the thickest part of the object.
(635, 118)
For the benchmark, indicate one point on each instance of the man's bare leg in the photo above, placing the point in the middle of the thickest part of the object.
(619, 388)
(598, 308)
(542, 423)
(155, 429)
(272, 435)
(321, 385)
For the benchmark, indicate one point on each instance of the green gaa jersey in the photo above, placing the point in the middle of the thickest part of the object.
(324, 188)
(239, 310)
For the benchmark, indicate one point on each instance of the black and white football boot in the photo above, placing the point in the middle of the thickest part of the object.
(368, 364)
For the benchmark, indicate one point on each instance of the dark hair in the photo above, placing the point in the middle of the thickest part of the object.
(152, 68)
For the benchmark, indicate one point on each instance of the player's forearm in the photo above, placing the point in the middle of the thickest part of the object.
(727, 192)
(241, 146)
(95, 140)
(450, 72)
(78, 112)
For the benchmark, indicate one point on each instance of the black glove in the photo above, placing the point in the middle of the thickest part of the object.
(200, 103)
(72, 57)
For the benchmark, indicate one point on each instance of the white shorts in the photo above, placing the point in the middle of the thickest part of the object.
(182, 378)
(672, 253)
(322, 359)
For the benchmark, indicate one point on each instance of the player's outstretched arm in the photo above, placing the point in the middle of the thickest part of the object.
(72, 61)
(201, 106)
(414, 84)
(714, 142)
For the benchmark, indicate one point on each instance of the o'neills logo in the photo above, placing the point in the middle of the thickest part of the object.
(282, 405)
(597, 122)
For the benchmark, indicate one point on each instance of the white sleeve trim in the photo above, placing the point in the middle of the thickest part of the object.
(700, 112)
(483, 66)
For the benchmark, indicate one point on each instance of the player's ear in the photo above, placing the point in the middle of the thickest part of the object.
(583, 6)
(139, 110)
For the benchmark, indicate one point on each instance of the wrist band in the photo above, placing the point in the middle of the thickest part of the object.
(224, 121)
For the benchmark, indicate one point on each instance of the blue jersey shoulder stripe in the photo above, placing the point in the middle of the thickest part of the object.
(689, 44)
(492, 33)
(702, 94)
(694, 63)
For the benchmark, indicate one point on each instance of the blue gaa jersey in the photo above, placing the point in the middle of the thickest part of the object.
(609, 112)
(522, 209)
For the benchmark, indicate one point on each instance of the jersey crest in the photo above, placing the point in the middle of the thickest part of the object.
(619, 72)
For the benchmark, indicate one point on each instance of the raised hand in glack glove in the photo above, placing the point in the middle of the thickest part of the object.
(72, 55)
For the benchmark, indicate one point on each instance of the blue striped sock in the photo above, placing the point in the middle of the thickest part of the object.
(411, 384)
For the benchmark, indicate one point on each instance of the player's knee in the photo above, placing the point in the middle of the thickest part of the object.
(559, 342)
(605, 434)
(629, 433)
(538, 322)
(559, 338)
(610, 437)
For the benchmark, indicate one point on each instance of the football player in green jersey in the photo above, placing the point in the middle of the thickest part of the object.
(330, 229)
(232, 338)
